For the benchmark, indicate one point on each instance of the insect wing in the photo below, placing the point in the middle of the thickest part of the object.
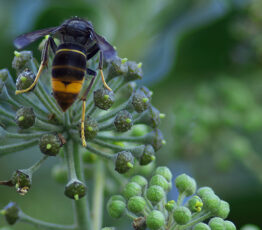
(25, 39)
(108, 51)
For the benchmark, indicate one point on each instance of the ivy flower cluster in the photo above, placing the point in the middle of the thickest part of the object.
(34, 119)
(146, 203)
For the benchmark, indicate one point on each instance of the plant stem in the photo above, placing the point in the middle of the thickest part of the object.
(40, 223)
(98, 194)
(102, 154)
(83, 216)
(36, 166)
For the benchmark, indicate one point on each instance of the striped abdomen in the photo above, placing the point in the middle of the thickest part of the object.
(68, 70)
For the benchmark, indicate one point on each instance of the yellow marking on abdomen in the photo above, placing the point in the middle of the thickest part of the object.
(71, 50)
(72, 87)
(68, 66)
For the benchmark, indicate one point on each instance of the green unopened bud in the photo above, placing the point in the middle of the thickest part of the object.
(204, 190)
(89, 157)
(139, 223)
(223, 210)
(116, 208)
(22, 179)
(211, 202)
(134, 72)
(148, 155)
(59, 173)
(4, 74)
(155, 194)
(48, 140)
(140, 101)
(182, 215)
(123, 121)
(155, 220)
(230, 226)
(155, 138)
(160, 181)
(201, 226)
(170, 205)
(91, 128)
(25, 79)
(165, 172)
(185, 184)
(136, 204)
(75, 189)
(11, 212)
(103, 102)
(139, 130)
(22, 61)
(250, 227)
(117, 67)
(132, 189)
(150, 117)
(117, 197)
(217, 223)
(142, 181)
(195, 204)
(25, 118)
(124, 161)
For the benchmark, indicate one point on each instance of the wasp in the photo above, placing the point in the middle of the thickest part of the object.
(78, 43)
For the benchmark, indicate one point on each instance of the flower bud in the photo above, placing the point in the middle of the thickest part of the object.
(91, 128)
(211, 202)
(50, 144)
(124, 161)
(116, 68)
(217, 223)
(4, 74)
(123, 121)
(132, 189)
(160, 181)
(11, 212)
(201, 226)
(134, 71)
(75, 189)
(25, 118)
(22, 61)
(89, 157)
(139, 130)
(140, 101)
(165, 172)
(203, 191)
(250, 227)
(22, 179)
(103, 98)
(230, 226)
(142, 181)
(150, 117)
(146, 91)
(170, 205)
(182, 215)
(117, 197)
(185, 184)
(155, 138)
(155, 220)
(148, 155)
(195, 204)
(116, 208)
(139, 223)
(25, 79)
(155, 194)
(59, 173)
(223, 210)
(136, 204)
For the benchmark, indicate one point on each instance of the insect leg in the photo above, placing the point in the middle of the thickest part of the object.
(52, 44)
(83, 98)
(100, 67)
(44, 59)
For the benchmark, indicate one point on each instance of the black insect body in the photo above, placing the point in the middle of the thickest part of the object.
(79, 43)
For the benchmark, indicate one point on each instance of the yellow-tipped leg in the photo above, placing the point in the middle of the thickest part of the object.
(83, 124)
(35, 81)
(103, 80)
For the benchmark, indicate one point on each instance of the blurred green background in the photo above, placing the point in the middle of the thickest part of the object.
(202, 59)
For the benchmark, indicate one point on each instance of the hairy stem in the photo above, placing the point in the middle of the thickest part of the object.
(99, 179)
(37, 165)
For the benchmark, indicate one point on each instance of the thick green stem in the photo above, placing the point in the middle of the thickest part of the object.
(43, 224)
(49, 127)
(83, 216)
(99, 179)
(99, 153)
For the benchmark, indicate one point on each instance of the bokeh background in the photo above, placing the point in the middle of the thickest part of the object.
(202, 59)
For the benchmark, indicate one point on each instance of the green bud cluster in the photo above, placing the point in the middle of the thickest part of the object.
(146, 203)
